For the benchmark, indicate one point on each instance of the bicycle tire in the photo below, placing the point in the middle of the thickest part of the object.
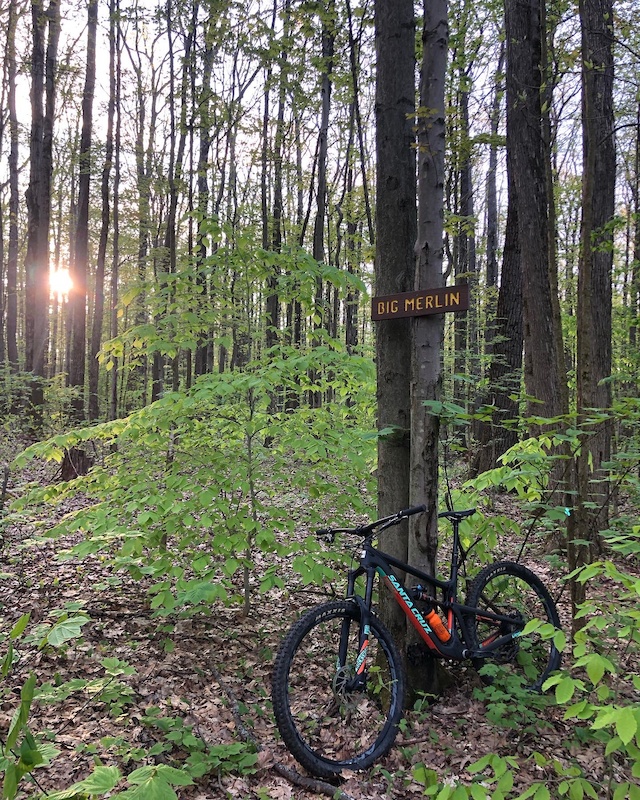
(514, 590)
(325, 726)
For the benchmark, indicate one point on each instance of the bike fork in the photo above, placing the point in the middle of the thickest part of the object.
(364, 631)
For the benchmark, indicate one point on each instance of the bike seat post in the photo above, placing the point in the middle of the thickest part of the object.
(455, 547)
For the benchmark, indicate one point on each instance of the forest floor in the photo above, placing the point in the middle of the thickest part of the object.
(214, 672)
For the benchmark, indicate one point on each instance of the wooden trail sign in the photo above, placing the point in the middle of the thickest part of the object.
(420, 303)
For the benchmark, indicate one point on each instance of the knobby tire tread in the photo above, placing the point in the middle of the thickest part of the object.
(312, 761)
(475, 600)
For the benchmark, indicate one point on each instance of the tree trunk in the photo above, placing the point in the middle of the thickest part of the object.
(494, 437)
(466, 357)
(14, 196)
(38, 196)
(594, 283)
(525, 145)
(80, 267)
(204, 346)
(428, 331)
(98, 306)
(115, 80)
(328, 41)
(492, 191)
(396, 231)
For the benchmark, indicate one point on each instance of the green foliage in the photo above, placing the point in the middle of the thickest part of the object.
(203, 758)
(184, 314)
(192, 486)
(602, 694)
(22, 752)
(100, 782)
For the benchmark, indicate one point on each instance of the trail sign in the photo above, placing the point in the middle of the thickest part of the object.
(420, 303)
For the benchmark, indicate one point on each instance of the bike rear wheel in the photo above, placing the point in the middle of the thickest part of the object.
(334, 710)
(512, 590)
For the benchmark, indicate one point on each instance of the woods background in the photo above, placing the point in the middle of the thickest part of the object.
(205, 173)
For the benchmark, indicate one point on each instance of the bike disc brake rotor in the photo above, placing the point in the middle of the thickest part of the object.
(344, 688)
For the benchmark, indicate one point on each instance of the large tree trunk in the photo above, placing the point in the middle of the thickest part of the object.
(594, 281)
(396, 231)
(525, 146)
(428, 332)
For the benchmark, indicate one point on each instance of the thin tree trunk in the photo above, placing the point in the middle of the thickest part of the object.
(201, 361)
(38, 196)
(115, 80)
(98, 309)
(80, 267)
(328, 42)
(492, 192)
(14, 196)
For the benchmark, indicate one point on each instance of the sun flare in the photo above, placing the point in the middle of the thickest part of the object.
(60, 283)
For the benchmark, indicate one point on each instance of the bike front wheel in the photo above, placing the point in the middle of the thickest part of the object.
(337, 706)
(513, 591)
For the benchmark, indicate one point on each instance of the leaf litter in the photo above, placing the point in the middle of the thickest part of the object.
(212, 673)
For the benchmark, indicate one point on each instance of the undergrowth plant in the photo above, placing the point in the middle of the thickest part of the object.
(599, 687)
(191, 488)
(188, 495)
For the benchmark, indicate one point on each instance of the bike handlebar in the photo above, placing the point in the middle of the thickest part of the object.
(385, 522)
(409, 512)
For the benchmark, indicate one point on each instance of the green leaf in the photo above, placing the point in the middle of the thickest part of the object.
(565, 690)
(20, 719)
(152, 789)
(20, 625)
(626, 724)
(162, 772)
(595, 668)
(576, 792)
(101, 781)
(634, 792)
(65, 630)
(10, 783)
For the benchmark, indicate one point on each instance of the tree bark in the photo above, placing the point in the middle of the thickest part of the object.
(396, 231)
(594, 284)
(46, 24)
(543, 364)
(428, 331)
(80, 266)
(14, 196)
(328, 41)
(494, 437)
(98, 306)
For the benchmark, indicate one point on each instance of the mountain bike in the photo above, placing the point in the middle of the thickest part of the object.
(339, 684)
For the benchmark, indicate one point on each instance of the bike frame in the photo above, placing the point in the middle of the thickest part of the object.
(375, 562)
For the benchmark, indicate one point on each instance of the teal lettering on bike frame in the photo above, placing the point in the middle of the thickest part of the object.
(417, 620)
(363, 652)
